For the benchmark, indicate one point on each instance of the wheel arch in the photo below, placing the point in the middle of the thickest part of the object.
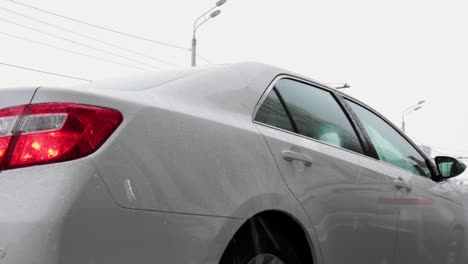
(275, 220)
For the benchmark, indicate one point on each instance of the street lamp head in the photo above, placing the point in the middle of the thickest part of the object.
(410, 110)
(197, 24)
(215, 13)
(220, 2)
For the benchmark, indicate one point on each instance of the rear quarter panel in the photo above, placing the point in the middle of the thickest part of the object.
(188, 146)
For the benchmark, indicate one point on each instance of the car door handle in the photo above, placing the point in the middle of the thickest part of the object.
(401, 184)
(291, 156)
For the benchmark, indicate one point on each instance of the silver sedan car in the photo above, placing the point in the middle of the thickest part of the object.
(229, 164)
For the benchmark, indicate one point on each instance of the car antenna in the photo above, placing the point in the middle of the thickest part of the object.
(345, 86)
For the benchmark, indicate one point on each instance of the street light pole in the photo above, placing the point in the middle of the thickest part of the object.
(403, 123)
(408, 111)
(194, 51)
(196, 26)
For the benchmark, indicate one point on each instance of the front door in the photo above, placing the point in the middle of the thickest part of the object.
(432, 223)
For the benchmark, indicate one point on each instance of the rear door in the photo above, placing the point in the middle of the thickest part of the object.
(432, 224)
(324, 163)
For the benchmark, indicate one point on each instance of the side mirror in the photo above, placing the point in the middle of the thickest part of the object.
(449, 167)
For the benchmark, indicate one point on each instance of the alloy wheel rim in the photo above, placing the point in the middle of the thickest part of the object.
(265, 259)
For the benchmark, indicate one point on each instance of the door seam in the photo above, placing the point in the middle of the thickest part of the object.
(290, 191)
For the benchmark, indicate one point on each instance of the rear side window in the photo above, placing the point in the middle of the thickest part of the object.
(316, 114)
(272, 113)
(391, 147)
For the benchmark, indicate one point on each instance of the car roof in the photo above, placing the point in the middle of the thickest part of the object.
(150, 80)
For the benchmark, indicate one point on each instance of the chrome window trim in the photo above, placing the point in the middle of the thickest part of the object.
(291, 77)
(312, 139)
(345, 97)
(340, 148)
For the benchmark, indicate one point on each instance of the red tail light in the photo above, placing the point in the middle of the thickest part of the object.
(53, 132)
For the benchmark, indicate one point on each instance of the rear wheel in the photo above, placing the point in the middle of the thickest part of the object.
(255, 243)
(455, 247)
(266, 259)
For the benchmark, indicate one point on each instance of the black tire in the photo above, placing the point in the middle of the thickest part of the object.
(257, 242)
(455, 247)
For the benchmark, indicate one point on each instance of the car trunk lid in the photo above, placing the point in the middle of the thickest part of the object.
(16, 96)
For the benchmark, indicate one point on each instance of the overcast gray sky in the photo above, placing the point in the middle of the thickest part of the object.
(393, 53)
